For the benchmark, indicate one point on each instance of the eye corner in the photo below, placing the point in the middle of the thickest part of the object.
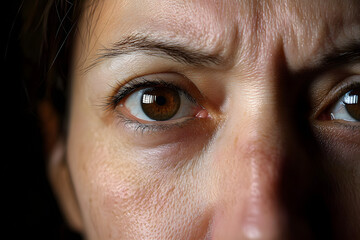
(323, 116)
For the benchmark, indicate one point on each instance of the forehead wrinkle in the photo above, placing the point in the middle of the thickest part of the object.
(201, 24)
(312, 28)
(230, 27)
(207, 23)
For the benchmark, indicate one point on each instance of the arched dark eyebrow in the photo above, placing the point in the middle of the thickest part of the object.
(155, 47)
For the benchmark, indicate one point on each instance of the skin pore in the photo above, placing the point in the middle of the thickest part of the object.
(255, 155)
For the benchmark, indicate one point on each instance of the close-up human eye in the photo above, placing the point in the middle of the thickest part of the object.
(153, 102)
(159, 104)
(347, 108)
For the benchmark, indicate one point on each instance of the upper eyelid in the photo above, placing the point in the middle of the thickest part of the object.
(343, 89)
(122, 92)
(334, 94)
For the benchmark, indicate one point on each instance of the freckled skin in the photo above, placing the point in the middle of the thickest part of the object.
(245, 170)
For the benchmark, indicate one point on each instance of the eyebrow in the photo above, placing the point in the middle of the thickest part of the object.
(159, 48)
(335, 59)
(341, 56)
(155, 47)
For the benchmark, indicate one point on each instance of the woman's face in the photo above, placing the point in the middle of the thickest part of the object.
(216, 119)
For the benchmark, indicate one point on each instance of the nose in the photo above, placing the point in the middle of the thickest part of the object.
(248, 206)
(264, 179)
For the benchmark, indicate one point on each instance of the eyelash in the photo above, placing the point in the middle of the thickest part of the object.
(121, 93)
(346, 88)
(341, 91)
(137, 84)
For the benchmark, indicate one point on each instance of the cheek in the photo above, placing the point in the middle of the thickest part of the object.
(125, 199)
(344, 191)
(342, 165)
(150, 204)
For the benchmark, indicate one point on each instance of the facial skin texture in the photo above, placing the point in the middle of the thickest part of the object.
(260, 165)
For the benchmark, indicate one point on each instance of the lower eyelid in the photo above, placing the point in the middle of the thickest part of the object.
(153, 127)
(351, 128)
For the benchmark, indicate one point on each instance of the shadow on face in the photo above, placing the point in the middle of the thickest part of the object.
(214, 120)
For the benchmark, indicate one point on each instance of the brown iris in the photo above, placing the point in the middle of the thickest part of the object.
(161, 103)
(352, 103)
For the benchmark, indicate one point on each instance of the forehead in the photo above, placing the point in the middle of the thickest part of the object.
(304, 27)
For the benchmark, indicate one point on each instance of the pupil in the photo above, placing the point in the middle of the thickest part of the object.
(160, 100)
(160, 103)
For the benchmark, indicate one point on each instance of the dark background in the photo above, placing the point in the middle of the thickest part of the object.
(29, 208)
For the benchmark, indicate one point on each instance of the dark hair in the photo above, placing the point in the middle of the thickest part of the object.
(44, 31)
(50, 28)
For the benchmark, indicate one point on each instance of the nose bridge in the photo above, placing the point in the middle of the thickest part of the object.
(258, 155)
(251, 152)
